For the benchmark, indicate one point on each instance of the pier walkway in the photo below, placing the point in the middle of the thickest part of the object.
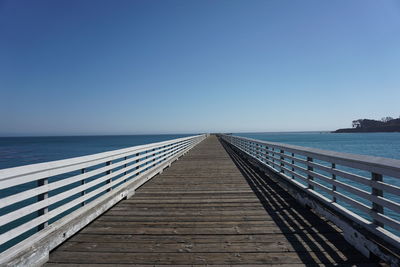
(211, 207)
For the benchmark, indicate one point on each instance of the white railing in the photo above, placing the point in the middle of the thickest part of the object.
(35, 197)
(362, 188)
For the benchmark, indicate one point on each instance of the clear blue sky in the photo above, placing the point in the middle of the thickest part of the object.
(126, 67)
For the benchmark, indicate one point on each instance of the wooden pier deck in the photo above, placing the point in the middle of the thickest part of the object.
(208, 208)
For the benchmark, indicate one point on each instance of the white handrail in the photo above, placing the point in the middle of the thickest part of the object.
(32, 172)
(320, 173)
(72, 183)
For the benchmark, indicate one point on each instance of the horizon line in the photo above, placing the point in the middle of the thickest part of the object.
(138, 134)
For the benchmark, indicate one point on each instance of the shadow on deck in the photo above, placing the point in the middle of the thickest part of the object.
(315, 239)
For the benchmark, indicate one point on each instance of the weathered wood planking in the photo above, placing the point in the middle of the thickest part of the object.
(208, 209)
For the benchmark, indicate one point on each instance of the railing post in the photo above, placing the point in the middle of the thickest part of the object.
(256, 150)
(292, 166)
(42, 197)
(262, 153)
(125, 158)
(282, 159)
(83, 181)
(273, 157)
(378, 193)
(165, 151)
(309, 176)
(154, 157)
(333, 186)
(267, 154)
(108, 163)
(137, 167)
(251, 148)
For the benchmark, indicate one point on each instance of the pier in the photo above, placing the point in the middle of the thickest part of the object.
(206, 200)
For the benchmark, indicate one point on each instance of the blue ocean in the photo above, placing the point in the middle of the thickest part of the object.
(374, 144)
(18, 151)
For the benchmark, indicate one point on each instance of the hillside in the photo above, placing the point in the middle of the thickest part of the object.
(387, 124)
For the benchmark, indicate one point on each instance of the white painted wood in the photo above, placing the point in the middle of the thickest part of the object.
(384, 166)
(29, 225)
(337, 172)
(275, 157)
(23, 174)
(359, 240)
(9, 217)
(154, 155)
(42, 189)
(35, 249)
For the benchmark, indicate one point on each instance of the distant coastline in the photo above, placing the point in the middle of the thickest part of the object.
(369, 130)
(385, 125)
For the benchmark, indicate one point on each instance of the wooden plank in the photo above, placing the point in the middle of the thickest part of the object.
(218, 265)
(203, 258)
(203, 230)
(332, 239)
(195, 247)
(188, 224)
(200, 205)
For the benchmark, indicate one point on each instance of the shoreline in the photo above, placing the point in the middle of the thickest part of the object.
(384, 129)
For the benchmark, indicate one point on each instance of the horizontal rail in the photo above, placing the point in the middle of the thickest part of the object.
(23, 174)
(35, 196)
(355, 185)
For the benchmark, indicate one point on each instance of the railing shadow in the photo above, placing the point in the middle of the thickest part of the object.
(314, 239)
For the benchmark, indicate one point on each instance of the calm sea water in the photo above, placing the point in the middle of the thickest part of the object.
(18, 151)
